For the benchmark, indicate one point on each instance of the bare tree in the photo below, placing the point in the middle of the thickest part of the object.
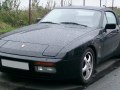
(0, 5)
(35, 4)
(70, 3)
(30, 16)
(11, 4)
(64, 3)
(54, 5)
(50, 4)
(16, 4)
(100, 3)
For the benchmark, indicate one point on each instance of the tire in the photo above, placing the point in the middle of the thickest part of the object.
(86, 66)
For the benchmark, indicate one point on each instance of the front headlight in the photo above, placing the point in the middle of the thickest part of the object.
(45, 69)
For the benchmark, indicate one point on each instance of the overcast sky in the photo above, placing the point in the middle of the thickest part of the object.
(24, 3)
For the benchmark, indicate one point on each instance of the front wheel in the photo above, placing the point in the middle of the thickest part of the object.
(87, 66)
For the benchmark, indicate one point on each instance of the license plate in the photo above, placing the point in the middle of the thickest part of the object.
(15, 64)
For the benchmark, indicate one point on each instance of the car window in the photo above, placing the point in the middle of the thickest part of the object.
(111, 18)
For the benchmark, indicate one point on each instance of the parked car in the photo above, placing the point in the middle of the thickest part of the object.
(68, 43)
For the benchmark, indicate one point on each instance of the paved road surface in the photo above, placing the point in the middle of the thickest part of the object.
(110, 82)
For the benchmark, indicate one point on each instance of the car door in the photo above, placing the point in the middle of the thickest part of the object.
(111, 37)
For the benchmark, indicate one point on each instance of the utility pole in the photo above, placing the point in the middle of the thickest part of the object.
(112, 4)
(0, 5)
(100, 3)
(30, 12)
(83, 2)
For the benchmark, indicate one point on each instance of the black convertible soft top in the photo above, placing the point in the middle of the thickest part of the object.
(86, 7)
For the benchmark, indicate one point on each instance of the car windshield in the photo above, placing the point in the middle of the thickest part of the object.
(83, 17)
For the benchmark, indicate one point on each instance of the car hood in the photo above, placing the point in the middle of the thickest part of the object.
(41, 39)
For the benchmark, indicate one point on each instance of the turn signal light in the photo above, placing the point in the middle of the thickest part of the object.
(46, 64)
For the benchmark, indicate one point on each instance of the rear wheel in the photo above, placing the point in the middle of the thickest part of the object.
(87, 66)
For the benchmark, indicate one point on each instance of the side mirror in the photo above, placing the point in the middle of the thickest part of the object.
(37, 20)
(110, 26)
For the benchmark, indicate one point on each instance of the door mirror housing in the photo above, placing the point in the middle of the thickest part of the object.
(110, 26)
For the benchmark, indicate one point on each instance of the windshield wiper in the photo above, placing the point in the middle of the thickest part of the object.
(73, 23)
(49, 22)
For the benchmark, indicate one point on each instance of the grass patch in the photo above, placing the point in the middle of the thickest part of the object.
(2, 31)
(4, 28)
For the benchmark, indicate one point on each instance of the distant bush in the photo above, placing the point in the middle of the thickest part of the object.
(21, 17)
(4, 25)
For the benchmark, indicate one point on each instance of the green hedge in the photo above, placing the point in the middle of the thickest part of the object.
(5, 27)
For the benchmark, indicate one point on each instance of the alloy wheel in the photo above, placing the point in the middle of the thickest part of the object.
(87, 68)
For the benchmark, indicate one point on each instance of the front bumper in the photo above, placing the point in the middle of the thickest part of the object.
(64, 69)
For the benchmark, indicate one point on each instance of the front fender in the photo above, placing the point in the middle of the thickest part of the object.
(78, 45)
